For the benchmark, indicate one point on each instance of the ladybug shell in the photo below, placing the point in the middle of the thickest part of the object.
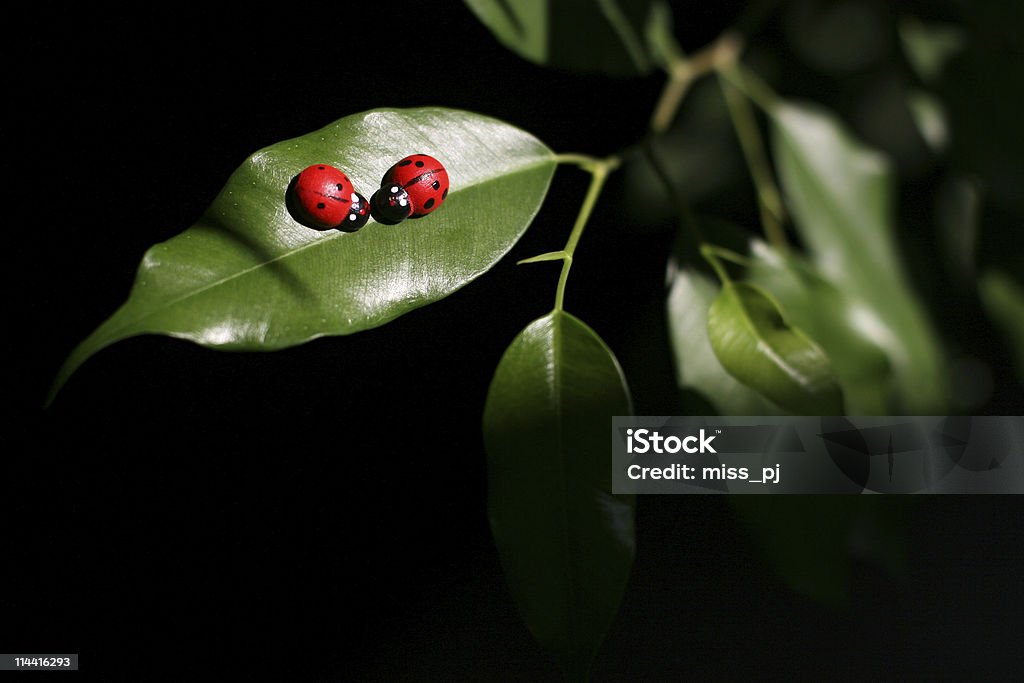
(424, 178)
(324, 196)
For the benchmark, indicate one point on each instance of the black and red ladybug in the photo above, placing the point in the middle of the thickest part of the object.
(323, 198)
(412, 188)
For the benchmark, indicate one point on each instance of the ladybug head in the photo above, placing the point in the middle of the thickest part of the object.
(390, 204)
(358, 214)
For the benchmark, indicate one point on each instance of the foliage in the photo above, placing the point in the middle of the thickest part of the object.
(825, 317)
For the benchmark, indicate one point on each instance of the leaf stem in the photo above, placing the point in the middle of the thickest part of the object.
(599, 170)
(711, 254)
(745, 124)
(729, 255)
(751, 85)
(586, 162)
(683, 71)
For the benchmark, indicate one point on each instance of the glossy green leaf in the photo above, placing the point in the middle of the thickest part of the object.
(697, 367)
(1003, 299)
(247, 276)
(566, 543)
(757, 346)
(604, 36)
(828, 316)
(839, 193)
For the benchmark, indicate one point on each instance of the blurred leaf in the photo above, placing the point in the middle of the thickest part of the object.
(697, 367)
(804, 539)
(756, 346)
(825, 313)
(660, 36)
(566, 543)
(603, 36)
(984, 113)
(520, 25)
(1003, 299)
(929, 47)
(958, 213)
(930, 118)
(809, 540)
(698, 153)
(247, 276)
(837, 37)
(839, 194)
(879, 533)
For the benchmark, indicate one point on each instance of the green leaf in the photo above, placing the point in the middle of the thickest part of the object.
(840, 196)
(958, 202)
(930, 117)
(804, 539)
(522, 26)
(660, 35)
(756, 346)
(1003, 299)
(697, 367)
(828, 316)
(247, 276)
(929, 47)
(566, 543)
(808, 541)
(603, 36)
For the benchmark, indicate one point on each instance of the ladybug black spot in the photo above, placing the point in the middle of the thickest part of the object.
(321, 167)
(340, 187)
(405, 162)
(436, 185)
(419, 164)
(444, 195)
(429, 203)
(321, 205)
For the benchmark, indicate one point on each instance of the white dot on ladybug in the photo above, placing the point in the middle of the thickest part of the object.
(354, 197)
(395, 188)
(352, 217)
(402, 202)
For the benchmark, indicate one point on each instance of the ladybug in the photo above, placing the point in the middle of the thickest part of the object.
(324, 198)
(412, 188)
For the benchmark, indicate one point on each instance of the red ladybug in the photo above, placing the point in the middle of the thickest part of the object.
(412, 188)
(324, 198)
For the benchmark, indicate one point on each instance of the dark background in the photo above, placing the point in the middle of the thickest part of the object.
(318, 513)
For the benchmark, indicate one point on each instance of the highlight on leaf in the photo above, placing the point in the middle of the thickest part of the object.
(566, 542)
(757, 346)
(248, 276)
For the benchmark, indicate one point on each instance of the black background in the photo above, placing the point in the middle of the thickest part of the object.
(318, 513)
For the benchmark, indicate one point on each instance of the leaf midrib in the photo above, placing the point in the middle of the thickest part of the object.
(557, 320)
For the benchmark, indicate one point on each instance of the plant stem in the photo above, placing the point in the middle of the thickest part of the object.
(728, 255)
(710, 254)
(768, 198)
(751, 85)
(582, 160)
(683, 71)
(599, 170)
